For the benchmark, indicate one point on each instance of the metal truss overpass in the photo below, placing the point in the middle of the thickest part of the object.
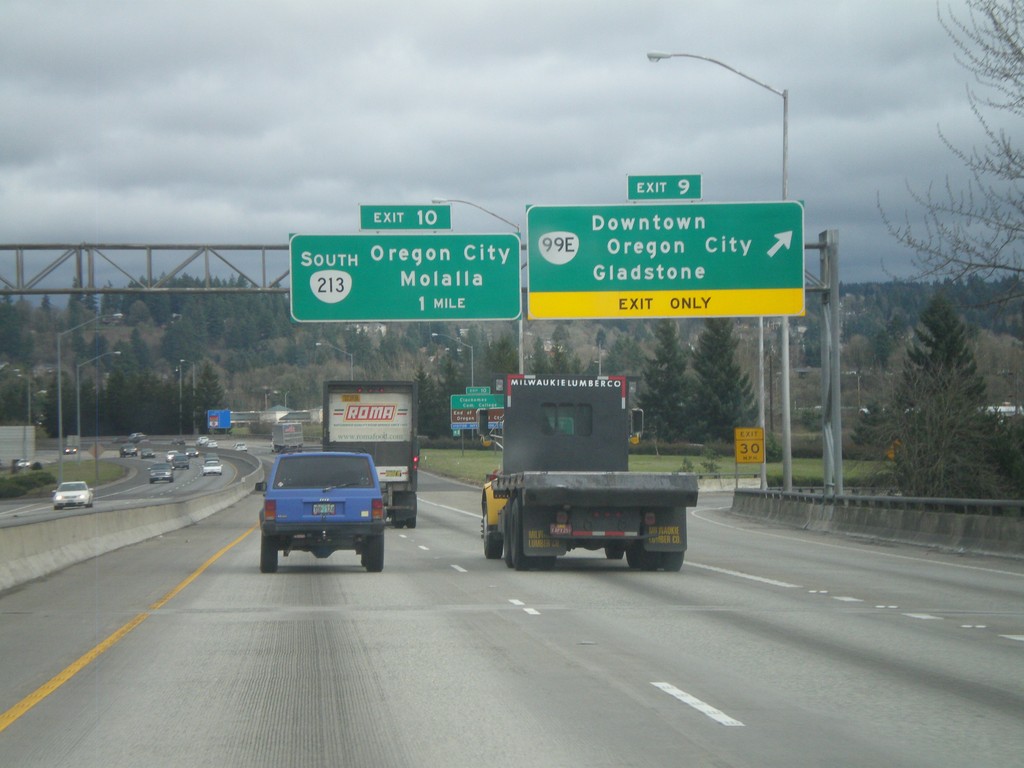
(97, 268)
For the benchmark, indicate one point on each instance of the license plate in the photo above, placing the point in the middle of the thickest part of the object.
(561, 529)
(323, 509)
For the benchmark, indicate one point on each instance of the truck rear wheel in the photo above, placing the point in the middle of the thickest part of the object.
(507, 532)
(268, 555)
(672, 561)
(494, 542)
(639, 558)
(515, 556)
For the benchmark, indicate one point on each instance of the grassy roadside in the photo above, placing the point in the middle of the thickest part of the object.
(473, 466)
(73, 470)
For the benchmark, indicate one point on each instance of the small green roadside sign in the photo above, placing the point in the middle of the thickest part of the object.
(477, 401)
(416, 217)
(383, 276)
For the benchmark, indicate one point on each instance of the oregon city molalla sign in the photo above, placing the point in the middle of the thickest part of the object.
(666, 260)
(404, 277)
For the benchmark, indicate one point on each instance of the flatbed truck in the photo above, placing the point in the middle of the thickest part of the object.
(565, 483)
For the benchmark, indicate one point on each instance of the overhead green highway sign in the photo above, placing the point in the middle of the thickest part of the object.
(391, 217)
(666, 260)
(440, 276)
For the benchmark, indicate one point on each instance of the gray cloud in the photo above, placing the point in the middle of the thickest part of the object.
(242, 122)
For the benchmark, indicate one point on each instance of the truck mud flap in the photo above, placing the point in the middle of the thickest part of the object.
(537, 541)
(668, 534)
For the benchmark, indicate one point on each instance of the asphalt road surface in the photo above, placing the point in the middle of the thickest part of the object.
(771, 647)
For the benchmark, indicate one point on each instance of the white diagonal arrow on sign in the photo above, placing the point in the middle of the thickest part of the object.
(782, 239)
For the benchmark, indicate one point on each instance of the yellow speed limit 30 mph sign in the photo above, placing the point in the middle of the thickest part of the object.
(749, 445)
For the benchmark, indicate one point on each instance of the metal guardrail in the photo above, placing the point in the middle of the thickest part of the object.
(866, 499)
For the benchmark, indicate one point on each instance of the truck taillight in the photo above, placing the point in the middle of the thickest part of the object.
(377, 510)
(269, 509)
(415, 462)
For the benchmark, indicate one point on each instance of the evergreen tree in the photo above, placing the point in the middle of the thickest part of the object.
(664, 394)
(209, 395)
(722, 397)
(940, 433)
(539, 363)
(434, 407)
(501, 357)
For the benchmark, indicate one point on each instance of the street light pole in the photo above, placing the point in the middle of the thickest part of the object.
(78, 411)
(787, 441)
(522, 264)
(28, 394)
(461, 343)
(60, 397)
(351, 357)
(181, 364)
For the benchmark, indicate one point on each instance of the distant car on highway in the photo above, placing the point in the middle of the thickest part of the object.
(161, 472)
(212, 466)
(136, 437)
(211, 443)
(241, 447)
(180, 461)
(70, 450)
(147, 453)
(75, 493)
(129, 449)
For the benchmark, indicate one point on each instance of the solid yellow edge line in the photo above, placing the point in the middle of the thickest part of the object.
(30, 701)
(195, 574)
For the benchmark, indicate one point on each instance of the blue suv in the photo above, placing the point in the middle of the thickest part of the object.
(320, 503)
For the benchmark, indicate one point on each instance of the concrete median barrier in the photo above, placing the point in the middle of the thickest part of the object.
(36, 549)
(947, 524)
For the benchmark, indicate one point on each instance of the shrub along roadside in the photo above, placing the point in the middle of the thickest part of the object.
(24, 483)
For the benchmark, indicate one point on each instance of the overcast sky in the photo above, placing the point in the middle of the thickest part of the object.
(242, 122)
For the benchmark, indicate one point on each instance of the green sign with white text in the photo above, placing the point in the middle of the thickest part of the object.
(666, 260)
(442, 276)
(390, 217)
(684, 187)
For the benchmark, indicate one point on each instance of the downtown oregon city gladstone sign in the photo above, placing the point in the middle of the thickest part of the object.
(404, 277)
(666, 260)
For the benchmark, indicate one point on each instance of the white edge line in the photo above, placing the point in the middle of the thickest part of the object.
(1018, 638)
(459, 568)
(923, 616)
(703, 707)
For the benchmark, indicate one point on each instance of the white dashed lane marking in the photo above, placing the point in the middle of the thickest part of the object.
(701, 706)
